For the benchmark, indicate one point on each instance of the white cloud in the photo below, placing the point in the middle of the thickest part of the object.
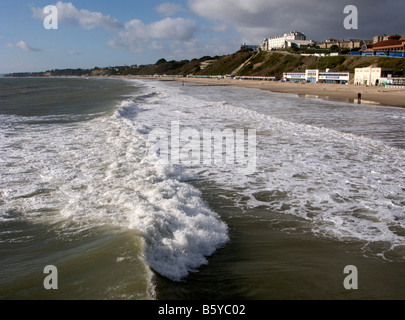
(196, 48)
(168, 28)
(156, 46)
(23, 46)
(84, 18)
(169, 9)
(219, 28)
(137, 33)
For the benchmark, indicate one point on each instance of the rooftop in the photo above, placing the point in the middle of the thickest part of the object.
(388, 44)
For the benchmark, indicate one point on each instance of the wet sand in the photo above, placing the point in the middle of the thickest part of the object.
(369, 95)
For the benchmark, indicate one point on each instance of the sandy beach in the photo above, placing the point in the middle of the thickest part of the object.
(349, 93)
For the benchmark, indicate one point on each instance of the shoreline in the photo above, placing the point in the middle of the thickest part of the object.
(390, 97)
(370, 95)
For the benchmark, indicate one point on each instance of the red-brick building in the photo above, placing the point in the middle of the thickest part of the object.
(394, 43)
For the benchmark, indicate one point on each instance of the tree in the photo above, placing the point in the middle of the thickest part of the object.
(334, 48)
(160, 61)
(205, 58)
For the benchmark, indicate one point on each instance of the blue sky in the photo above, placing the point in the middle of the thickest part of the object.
(108, 33)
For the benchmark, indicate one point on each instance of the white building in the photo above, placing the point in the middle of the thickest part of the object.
(330, 76)
(299, 43)
(391, 82)
(370, 76)
(294, 77)
(315, 75)
(264, 46)
(280, 42)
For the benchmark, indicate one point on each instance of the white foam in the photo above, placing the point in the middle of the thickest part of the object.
(347, 186)
(99, 173)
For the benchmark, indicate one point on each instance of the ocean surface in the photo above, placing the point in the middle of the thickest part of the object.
(112, 182)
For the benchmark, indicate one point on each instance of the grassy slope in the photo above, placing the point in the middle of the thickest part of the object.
(274, 64)
(226, 64)
(270, 64)
(222, 65)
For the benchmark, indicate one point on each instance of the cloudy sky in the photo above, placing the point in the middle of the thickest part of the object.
(107, 33)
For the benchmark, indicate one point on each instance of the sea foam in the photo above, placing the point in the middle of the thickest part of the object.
(100, 173)
(346, 186)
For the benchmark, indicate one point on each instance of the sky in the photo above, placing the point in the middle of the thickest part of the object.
(106, 33)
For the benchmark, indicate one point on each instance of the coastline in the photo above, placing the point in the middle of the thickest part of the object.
(370, 95)
(391, 97)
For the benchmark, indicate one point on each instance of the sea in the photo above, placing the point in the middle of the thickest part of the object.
(92, 184)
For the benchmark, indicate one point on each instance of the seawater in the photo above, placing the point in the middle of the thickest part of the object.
(81, 191)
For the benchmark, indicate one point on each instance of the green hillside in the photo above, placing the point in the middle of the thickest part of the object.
(268, 64)
(241, 63)
(275, 63)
